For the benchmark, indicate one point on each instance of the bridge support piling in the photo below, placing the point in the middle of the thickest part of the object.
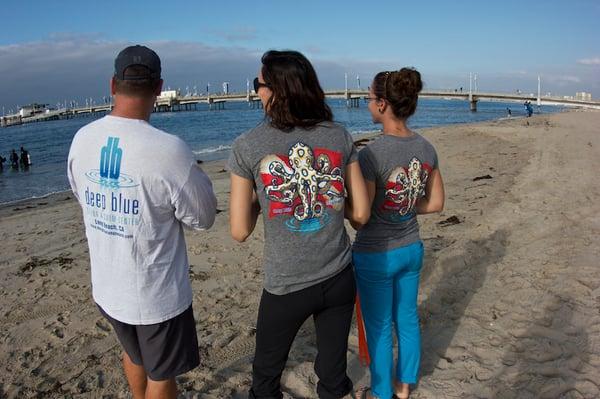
(215, 105)
(473, 103)
(473, 106)
(352, 102)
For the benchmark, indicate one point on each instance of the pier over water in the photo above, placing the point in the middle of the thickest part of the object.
(353, 100)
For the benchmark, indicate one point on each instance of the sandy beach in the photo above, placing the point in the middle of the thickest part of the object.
(509, 299)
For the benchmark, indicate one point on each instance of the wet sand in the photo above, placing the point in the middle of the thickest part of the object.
(509, 300)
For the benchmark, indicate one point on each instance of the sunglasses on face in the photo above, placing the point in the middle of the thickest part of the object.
(258, 85)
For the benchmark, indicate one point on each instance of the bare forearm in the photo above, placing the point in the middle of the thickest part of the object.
(426, 205)
(349, 214)
(433, 201)
(243, 208)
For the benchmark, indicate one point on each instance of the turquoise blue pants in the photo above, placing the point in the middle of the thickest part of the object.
(388, 284)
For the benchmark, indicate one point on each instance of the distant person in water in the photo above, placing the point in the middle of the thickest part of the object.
(509, 112)
(2, 160)
(24, 157)
(14, 159)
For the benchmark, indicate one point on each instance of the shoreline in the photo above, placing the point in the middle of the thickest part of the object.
(558, 102)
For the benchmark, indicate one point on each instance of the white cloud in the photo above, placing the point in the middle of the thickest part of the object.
(589, 61)
(68, 66)
(518, 73)
(80, 67)
(563, 79)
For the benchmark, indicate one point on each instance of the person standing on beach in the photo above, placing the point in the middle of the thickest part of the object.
(403, 180)
(300, 168)
(138, 187)
(528, 108)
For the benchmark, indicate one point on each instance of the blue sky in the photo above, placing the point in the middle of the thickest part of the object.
(63, 50)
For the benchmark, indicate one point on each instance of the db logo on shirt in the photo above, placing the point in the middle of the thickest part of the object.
(110, 159)
(109, 175)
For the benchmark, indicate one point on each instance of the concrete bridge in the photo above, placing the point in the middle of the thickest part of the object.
(353, 99)
(473, 98)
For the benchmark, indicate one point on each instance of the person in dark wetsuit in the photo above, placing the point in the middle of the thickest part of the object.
(14, 159)
(24, 158)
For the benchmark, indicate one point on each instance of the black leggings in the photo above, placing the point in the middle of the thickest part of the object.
(331, 304)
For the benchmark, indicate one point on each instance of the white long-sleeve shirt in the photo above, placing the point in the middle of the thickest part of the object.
(138, 186)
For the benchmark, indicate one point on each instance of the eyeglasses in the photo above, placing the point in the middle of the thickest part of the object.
(369, 99)
(258, 85)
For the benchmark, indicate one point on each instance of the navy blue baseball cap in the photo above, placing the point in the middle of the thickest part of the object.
(137, 56)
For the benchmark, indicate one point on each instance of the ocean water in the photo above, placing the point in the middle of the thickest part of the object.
(209, 134)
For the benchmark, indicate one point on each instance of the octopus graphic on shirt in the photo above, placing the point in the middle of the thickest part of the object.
(303, 184)
(405, 186)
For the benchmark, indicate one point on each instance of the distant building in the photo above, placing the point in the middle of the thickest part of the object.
(32, 109)
(10, 120)
(225, 87)
(583, 96)
(168, 94)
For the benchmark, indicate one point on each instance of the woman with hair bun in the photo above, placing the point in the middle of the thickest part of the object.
(403, 180)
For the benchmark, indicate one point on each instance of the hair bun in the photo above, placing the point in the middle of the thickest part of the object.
(406, 82)
(400, 89)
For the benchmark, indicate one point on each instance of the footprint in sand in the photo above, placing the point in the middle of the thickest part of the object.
(43, 312)
(58, 332)
(240, 349)
(236, 351)
(198, 276)
(63, 319)
(103, 325)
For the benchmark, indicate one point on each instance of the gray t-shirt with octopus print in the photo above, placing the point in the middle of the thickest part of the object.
(299, 179)
(399, 166)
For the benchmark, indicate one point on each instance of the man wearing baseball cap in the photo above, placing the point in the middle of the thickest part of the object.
(138, 186)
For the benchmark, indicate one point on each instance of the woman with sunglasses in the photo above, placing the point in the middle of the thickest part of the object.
(403, 180)
(300, 169)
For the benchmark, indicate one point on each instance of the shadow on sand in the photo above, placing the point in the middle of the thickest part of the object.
(545, 359)
(461, 278)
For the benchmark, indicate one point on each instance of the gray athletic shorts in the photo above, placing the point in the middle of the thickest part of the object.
(165, 350)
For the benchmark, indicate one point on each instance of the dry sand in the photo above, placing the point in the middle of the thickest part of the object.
(509, 301)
